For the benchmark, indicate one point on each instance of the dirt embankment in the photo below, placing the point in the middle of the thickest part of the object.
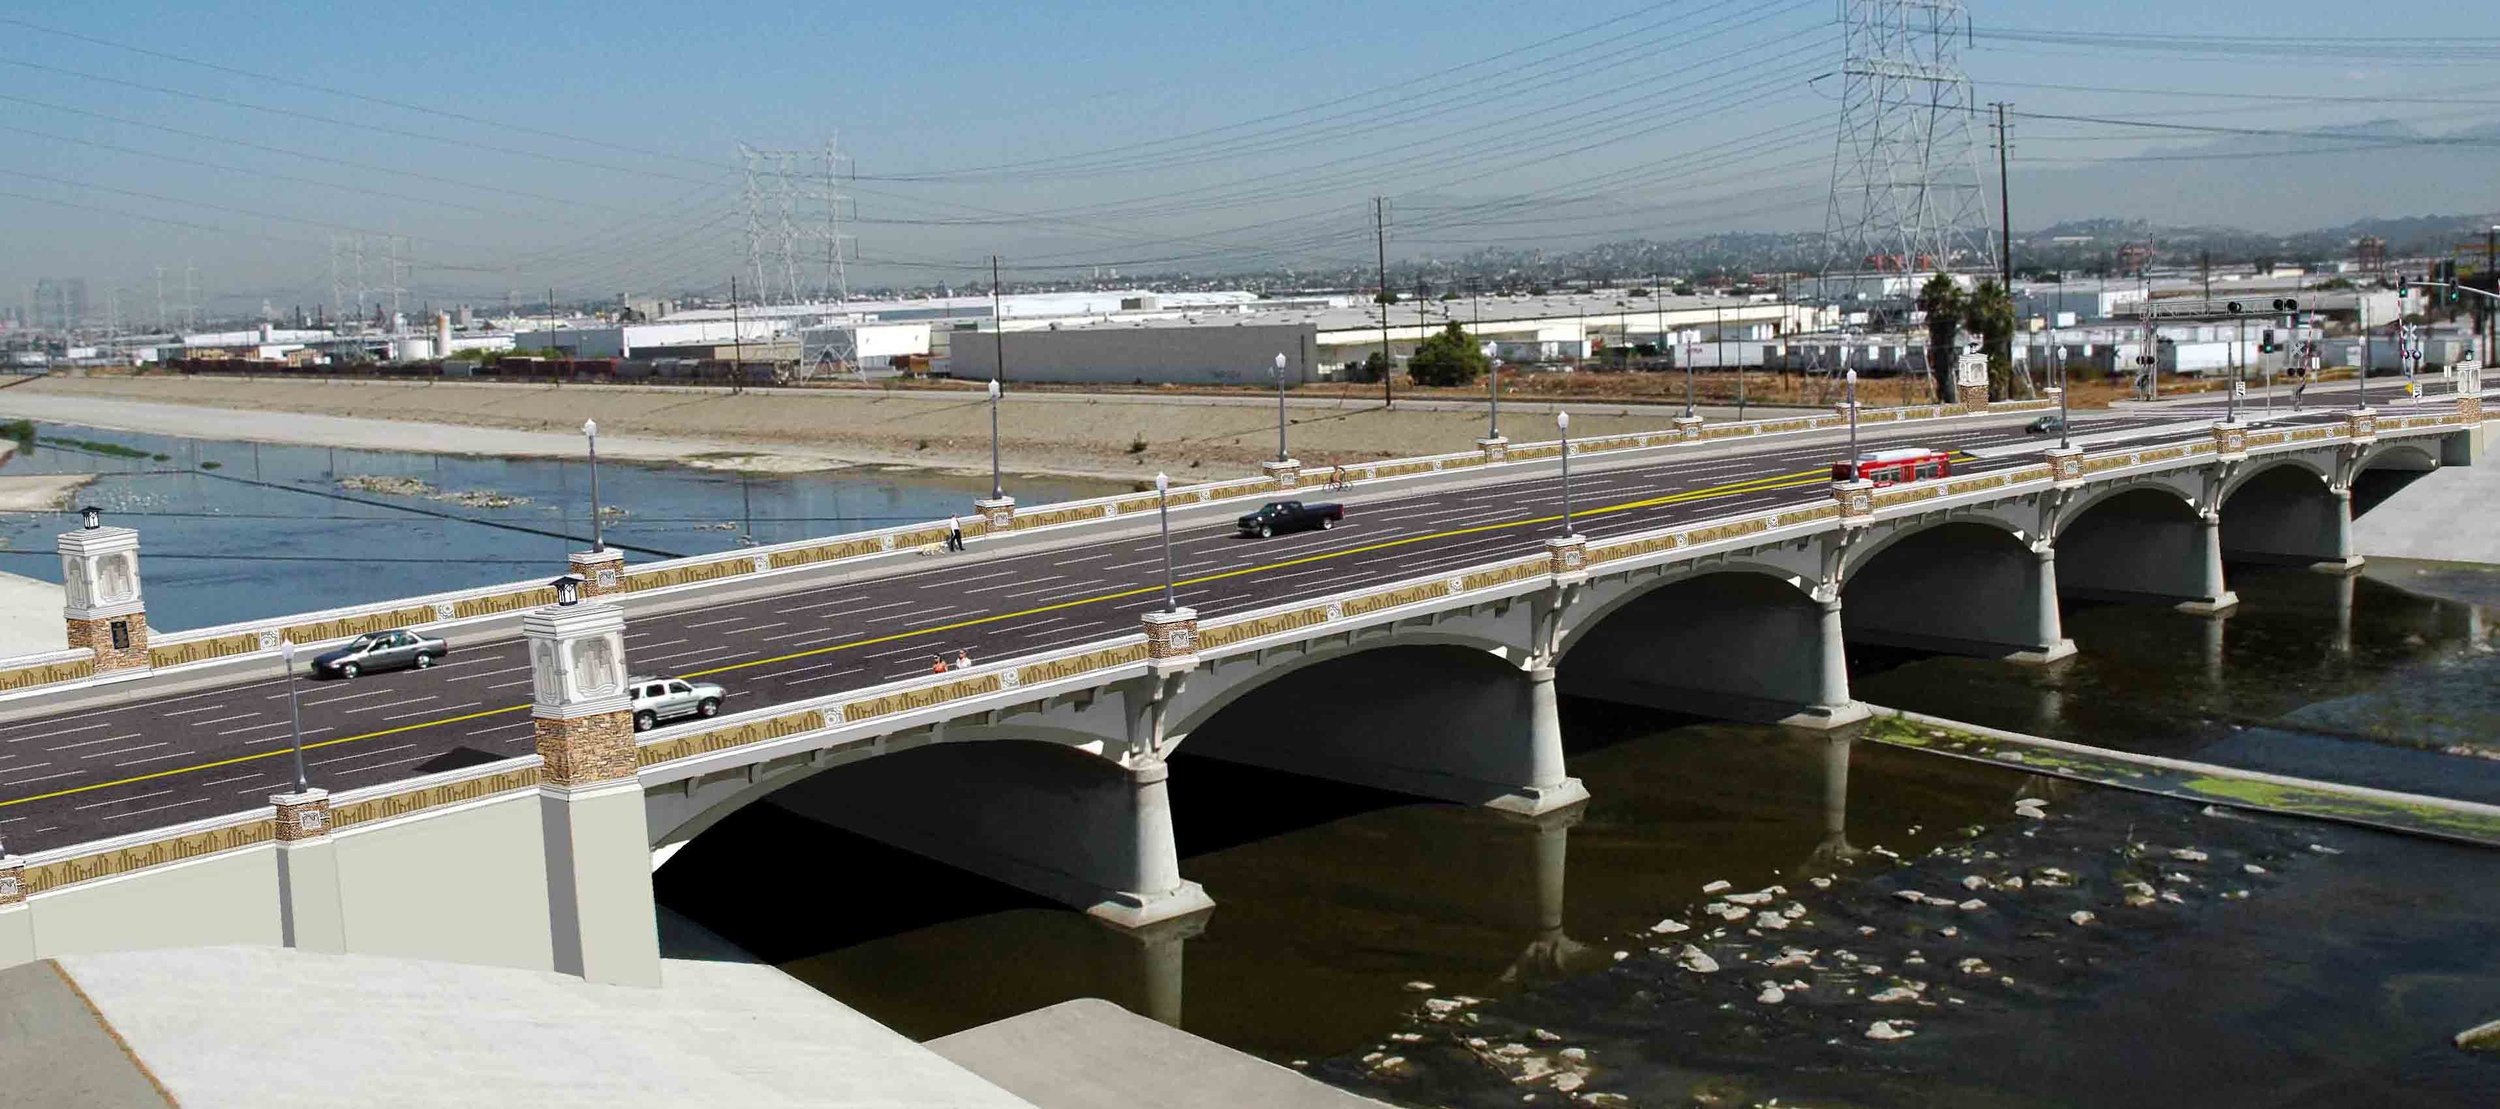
(1124, 436)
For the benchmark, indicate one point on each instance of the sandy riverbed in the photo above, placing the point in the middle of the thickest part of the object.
(40, 492)
(1127, 436)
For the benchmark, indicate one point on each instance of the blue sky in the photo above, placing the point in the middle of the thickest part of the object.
(593, 146)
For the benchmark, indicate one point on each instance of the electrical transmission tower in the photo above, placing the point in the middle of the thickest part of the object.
(1906, 193)
(783, 189)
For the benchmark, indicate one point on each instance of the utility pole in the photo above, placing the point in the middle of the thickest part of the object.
(1380, 241)
(2005, 200)
(737, 342)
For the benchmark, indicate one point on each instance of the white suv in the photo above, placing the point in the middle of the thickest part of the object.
(658, 699)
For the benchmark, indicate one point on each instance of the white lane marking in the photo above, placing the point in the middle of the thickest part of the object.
(187, 712)
(799, 634)
(236, 778)
(254, 727)
(1056, 587)
(433, 711)
(224, 719)
(711, 623)
(159, 808)
(495, 729)
(64, 731)
(939, 617)
(352, 697)
(512, 685)
(984, 577)
(1011, 585)
(758, 627)
(1157, 561)
(124, 800)
(487, 674)
(470, 661)
(363, 755)
(848, 601)
(922, 649)
(651, 659)
(151, 758)
(653, 646)
(123, 751)
(45, 778)
(391, 704)
(1031, 626)
(92, 742)
(273, 737)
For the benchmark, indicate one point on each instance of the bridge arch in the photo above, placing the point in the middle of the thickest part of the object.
(2291, 510)
(1743, 640)
(2141, 541)
(1970, 584)
(1452, 717)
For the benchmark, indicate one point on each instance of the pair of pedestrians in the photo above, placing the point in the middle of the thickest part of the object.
(938, 664)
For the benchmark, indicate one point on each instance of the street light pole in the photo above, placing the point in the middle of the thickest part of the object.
(1492, 391)
(295, 718)
(1280, 409)
(2057, 358)
(997, 488)
(1852, 378)
(598, 538)
(1163, 513)
(1562, 421)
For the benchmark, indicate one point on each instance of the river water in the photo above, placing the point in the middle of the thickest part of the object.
(1426, 954)
(234, 531)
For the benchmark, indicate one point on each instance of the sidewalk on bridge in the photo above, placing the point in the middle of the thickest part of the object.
(267, 1026)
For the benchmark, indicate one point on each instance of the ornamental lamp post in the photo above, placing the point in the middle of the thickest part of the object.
(1493, 390)
(1562, 422)
(1163, 513)
(598, 538)
(294, 716)
(1280, 408)
(1852, 378)
(997, 488)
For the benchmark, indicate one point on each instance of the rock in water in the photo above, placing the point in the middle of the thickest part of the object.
(2481, 1037)
(1669, 927)
(1771, 994)
(1718, 886)
(2082, 916)
(1697, 960)
(1888, 1030)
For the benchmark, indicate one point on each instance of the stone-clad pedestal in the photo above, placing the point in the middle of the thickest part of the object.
(590, 804)
(17, 926)
(602, 571)
(310, 914)
(105, 610)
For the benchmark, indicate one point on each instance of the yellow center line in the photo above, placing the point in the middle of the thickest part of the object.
(1731, 489)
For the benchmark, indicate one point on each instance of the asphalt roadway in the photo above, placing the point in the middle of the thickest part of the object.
(86, 775)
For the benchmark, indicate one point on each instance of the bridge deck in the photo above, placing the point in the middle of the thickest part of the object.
(85, 775)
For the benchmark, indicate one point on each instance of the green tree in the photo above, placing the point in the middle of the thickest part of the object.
(1449, 358)
(1942, 300)
(1375, 366)
(1989, 314)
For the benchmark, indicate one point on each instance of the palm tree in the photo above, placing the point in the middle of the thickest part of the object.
(1942, 300)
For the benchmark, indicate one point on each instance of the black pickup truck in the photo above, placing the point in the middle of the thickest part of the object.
(1276, 516)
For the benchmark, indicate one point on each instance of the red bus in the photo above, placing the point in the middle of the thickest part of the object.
(1896, 466)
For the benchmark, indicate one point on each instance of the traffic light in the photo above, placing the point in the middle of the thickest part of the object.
(2233, 307)
(2286, 304)
(2265, 342)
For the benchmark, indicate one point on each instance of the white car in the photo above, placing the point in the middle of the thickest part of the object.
(658, 699)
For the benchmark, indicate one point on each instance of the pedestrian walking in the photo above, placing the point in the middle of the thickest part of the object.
(938, 666)
(963, 660)
(954, 534)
